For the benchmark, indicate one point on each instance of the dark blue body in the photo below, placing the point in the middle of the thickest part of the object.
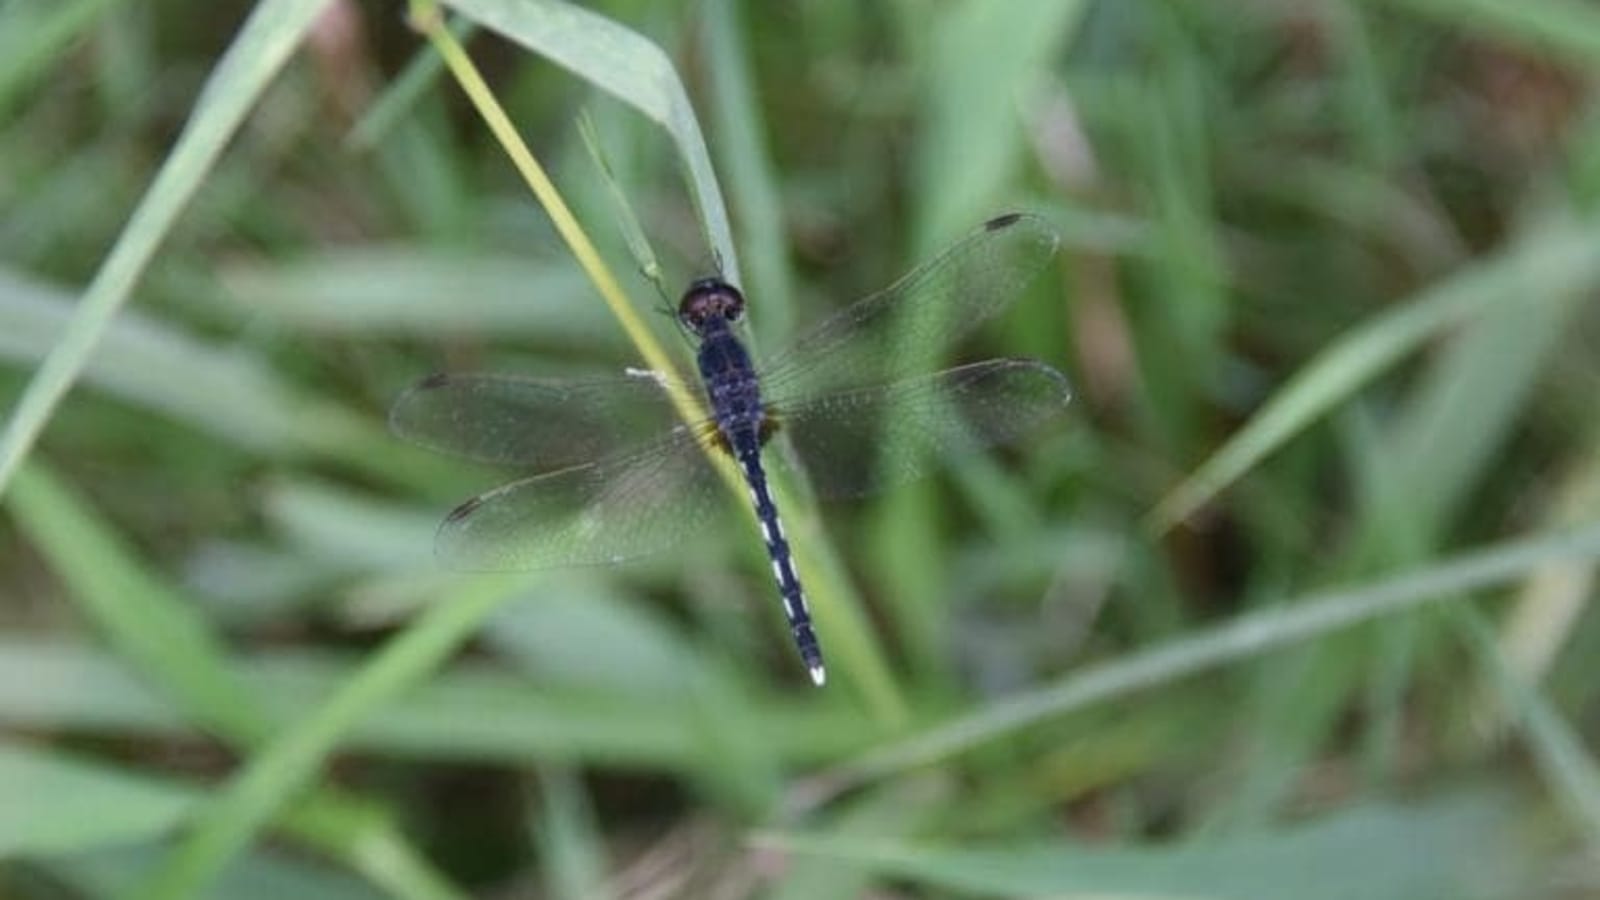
(735, 397)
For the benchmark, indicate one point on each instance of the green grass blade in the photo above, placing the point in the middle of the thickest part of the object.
(1549, 263)
(51, 804)
(464, 715)
(161, 634)
(627, 220)
(570, 842)
(1470, 403)
(1450, 848)
(401, 290)
(627, 66)
(224, 392)
(399, 99)
(271, 33)
(267, 875)
(1246, 637)
(232, 818)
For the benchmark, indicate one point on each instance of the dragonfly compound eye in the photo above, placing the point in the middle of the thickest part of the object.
(708, 298)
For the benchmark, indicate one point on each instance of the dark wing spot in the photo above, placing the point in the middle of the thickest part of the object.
(464, 510)
(437, 379)
(999, 222)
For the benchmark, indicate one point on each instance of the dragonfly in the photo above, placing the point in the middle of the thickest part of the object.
(614, 473)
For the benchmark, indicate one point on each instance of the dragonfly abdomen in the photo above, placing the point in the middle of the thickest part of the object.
(747, 449)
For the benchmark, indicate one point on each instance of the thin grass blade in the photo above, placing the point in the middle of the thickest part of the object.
(627, 66)
(1246, 637)
(263, 45)
(1552, 263)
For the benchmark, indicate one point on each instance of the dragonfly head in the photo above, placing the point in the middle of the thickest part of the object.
(707, 301)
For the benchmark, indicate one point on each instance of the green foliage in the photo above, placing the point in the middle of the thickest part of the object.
(1255, 622)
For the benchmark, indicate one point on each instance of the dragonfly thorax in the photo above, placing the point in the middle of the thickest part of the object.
(709, 302)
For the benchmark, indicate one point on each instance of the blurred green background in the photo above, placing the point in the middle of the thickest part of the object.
(1295, 604)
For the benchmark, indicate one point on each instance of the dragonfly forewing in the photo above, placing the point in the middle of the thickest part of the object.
(905, 329)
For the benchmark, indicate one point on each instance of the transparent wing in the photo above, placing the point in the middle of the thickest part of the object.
(856, 442)
(904, 328)
(541, 423)
(605, 512)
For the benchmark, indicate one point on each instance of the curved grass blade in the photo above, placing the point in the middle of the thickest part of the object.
(52, 803)
(1245, 637)
(273, 30)
(225, 391)
(627, 66)
(1449, 847)
(382, 290)
(69, 688)
(1548, 263)
(287, 765)
(398, 99)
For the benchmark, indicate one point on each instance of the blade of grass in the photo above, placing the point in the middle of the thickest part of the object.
(164, 637)
(1554, 262)
(571, 844)
(400, 97)
(228, 394)
(1246, 636)
(267, 875)
(483, 99)
(282, 769)
(263, 45)
(52, 803)
(224, 391)
(468, 714)
(644, 256)
(373, 291)
(1402, 853)
(627, 66)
